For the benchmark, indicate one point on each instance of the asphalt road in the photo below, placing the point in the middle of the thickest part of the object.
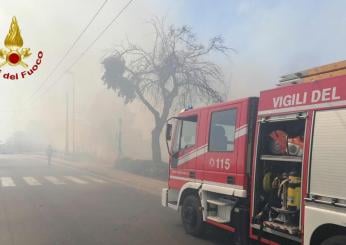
(58, 205)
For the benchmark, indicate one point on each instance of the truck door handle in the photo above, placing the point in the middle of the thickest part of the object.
(192, 174)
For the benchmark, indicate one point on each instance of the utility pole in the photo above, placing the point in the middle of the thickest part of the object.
(73, 112)
(120, 139)
(66, 128)
(73, 116)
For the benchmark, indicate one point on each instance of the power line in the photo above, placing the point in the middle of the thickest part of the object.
(88, 47)
(69, 50)
(101, 33)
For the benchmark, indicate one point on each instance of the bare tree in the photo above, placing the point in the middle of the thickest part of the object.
(173, 72)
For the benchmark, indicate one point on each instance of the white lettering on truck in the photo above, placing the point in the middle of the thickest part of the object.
(290, 100)
(323, 95)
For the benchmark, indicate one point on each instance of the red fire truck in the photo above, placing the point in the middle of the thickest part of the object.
(270, 170)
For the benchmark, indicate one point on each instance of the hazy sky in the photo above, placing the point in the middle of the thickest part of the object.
(271, 38)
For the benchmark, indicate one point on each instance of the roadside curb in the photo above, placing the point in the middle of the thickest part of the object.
(140, 183)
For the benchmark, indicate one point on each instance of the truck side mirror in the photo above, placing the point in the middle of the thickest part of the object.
(174, 161)
(168, 132)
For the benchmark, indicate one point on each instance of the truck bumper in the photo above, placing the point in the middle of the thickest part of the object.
(164, 197)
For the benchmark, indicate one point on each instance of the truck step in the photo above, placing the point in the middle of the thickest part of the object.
(217, 219)
(221, 202)
(218, 202)
(221, 210)
(173, 205)
(173, 202)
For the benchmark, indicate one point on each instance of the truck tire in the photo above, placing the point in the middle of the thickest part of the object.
(191, 216)
(335, 240)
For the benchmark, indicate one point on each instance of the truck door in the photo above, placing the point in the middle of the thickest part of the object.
(183, 160)
(220, 160)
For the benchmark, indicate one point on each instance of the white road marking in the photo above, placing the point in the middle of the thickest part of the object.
(97, 180)
(31, 181)
(76, 180)
(54, 180)
(7, 182)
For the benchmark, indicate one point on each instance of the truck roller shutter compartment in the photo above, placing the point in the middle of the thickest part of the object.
(328, 157)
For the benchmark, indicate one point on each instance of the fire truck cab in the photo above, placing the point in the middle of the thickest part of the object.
(270, 169)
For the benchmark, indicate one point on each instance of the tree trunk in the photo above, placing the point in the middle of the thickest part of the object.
(155, 143)
(160, 121)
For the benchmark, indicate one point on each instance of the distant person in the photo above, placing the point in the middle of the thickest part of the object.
(49, 153)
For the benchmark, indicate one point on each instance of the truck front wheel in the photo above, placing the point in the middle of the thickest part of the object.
(191, 215)
(335, 240)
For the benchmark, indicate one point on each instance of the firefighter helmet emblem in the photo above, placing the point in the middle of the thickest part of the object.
(14, 54)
